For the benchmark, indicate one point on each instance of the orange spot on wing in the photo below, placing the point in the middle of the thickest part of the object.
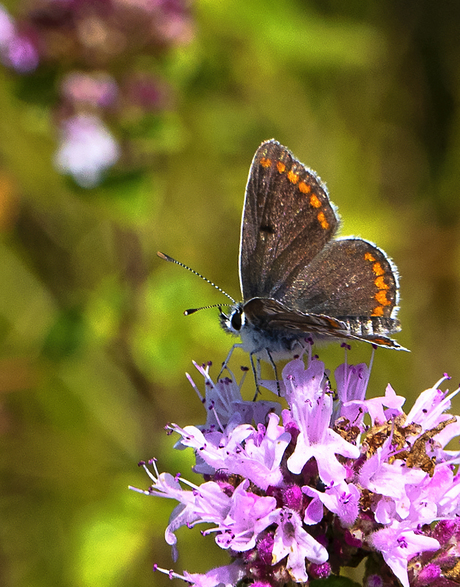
(378, 311)
(292, 177)
(315, 201)
(304, 187)
(381, 297)
(369, 257)
(380, 283)
(378, 269)
(265, 162)
(383, 341)
(322, 220)
(281, 167)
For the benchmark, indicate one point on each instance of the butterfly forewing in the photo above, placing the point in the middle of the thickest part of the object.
(281, 235)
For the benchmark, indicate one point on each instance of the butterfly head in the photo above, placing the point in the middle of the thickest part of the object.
(234, 321)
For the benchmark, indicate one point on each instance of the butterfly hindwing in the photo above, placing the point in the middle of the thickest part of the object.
(348, 278)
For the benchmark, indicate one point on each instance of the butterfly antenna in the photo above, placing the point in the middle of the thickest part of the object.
(192, 311)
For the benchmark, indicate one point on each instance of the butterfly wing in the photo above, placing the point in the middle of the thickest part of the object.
(278, 321)
(287, 221)
(268, 315)
(348, 278)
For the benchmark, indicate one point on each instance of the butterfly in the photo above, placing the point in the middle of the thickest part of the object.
(298, 280)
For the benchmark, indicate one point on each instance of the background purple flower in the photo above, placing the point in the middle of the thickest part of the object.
(87, 149)
(101, 55)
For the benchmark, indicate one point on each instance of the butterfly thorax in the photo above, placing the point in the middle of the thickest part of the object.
(256, 337)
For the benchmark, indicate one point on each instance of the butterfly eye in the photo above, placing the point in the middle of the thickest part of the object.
(236, 320)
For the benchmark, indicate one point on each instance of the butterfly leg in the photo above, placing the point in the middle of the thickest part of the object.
(225, 363)
(257, 371)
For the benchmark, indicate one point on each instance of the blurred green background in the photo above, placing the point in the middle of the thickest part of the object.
(94, 341)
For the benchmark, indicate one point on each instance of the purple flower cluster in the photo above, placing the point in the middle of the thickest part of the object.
(97, 33)
(296, 494)
(17, 49)
(86, 149)
(98, 51)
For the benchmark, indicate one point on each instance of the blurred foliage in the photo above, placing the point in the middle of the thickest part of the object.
(94, 341)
